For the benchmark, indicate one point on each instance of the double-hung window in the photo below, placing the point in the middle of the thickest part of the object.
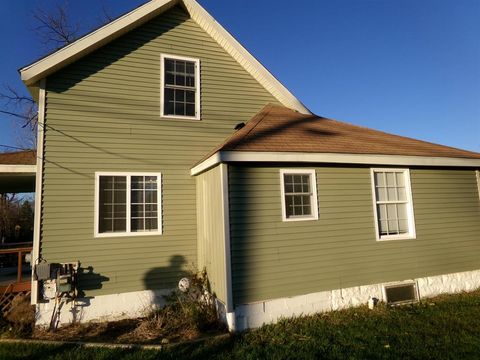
(393, 207)
(299, 194)
(127, 204)
(180, 87)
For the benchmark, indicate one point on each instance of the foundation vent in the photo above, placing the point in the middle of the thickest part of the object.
(398, 294)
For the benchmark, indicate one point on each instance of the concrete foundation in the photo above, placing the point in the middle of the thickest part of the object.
(102, 308)
(254, 315)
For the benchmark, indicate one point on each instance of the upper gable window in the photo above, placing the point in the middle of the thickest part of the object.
(180, 87)
(393, 207)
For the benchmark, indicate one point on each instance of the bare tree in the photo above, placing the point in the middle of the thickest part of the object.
(55, 29)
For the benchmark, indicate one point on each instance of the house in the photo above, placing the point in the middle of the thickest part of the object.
(142, 177)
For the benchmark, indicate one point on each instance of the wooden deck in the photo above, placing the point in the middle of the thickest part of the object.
(15, 273)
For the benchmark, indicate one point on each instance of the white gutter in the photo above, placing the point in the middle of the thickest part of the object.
(38, 189)
(333, 158)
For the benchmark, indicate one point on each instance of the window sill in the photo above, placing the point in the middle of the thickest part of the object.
(396, 237)
(176, 117)
(300, 218)
(130, 234)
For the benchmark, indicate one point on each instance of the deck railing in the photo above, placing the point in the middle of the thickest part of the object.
(9, 255)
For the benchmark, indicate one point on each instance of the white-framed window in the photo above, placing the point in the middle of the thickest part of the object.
(128, 204)
(299, 194)
(392, 203)
(180, 87)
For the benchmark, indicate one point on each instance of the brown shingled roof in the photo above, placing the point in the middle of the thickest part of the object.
(28, 157)
(279, 129)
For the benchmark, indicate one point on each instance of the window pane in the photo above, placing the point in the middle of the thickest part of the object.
(392, 227)
(383, 227)
(112, 204)
(180, 96)
(151, 197)
(381, 194)
(390, 178)
(169, 103)
(190, 96)
(190, 68)
(403, 226)
(392, 194)
(136, 182)
(297, 190)
(402, 211)
(150, 182)
(179, 109)
(379, 179)
(151, 224)
(119, 225)
(136, 211)
(180, 66)
(136, 225)
(289, 205)
(190, 110)
(144, 204)
(402, 194)
(382, 211)
(391, 212)
(137, 196)
(400, 179)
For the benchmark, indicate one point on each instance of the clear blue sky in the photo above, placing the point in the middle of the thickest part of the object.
(408, 67)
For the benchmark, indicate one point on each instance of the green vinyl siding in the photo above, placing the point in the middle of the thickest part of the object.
(273, 259)
(103, 114)
(211, 230)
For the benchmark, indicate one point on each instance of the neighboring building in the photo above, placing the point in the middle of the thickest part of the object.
(292, 214)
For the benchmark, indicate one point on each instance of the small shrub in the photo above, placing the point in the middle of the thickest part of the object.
(186, 315)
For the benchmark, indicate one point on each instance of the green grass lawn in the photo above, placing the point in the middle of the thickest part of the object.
(447, 327)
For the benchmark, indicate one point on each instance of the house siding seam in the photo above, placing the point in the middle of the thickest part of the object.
(103, 114)
(273, 259)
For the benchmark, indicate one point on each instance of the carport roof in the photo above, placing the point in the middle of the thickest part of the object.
(17, 171)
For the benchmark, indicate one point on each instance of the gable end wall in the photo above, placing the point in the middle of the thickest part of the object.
(102, 114)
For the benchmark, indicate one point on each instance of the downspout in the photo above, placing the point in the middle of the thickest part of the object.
(230, 312)
(38, 189)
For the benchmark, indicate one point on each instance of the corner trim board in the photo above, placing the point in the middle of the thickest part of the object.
(478, 182)
(38, 188)
(335, 158)
(226, 234)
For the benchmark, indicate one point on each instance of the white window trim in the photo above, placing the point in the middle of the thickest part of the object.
(314, 196)
(97, 234)
(197, 87)
(411, 235)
